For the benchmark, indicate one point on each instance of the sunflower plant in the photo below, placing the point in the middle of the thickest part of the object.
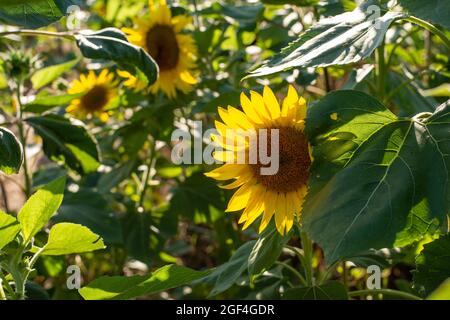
(347, 100)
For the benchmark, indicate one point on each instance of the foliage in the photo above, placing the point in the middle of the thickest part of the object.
(99, 190)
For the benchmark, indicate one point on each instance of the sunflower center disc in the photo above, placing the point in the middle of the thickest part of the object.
(95, 99)
(162, 45)
(294, 162)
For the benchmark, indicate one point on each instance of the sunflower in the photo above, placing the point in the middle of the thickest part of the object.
(280, 194)
(174, 52)
(99, 94)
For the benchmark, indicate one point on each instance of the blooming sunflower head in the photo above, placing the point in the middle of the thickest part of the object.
(281, 193)
(98, 95)
(174, 52)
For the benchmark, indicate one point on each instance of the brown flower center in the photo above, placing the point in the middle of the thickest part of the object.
(162, 45)
(294, 162)
(96, 98)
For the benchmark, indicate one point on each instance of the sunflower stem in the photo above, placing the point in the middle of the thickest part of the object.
(34, 33)
(23, 140)
(308, 257)
(147, 174)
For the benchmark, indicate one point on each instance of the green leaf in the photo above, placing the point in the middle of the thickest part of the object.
(47, 75)
(266, 251)
(9, 228)
(45, 102)
(226, 275)
(377, 181)
(91, 209)
(115, 176)
(67, 140)
(122, 288)
(112, 44)
(442, 292)
(433, 265)
(442, 90)
(343, 39)
(33, 13)
(11, 152)
(436, 11)
(40, 207)
(333, 290)
(69, 238)
(196, 196)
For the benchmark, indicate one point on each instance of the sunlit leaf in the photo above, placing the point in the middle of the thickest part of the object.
(112, 44)
(9, 228)
(67, 140)
(377, 180)
(40, 207)
(122, 288)
(343, 39)
(47, 75)
(68, 238)
(11, 152)
(433, 265)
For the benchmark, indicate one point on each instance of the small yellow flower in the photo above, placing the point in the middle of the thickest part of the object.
(174, 52)
(280, 194)
(99, 94)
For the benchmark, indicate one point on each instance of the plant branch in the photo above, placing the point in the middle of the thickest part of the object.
(388, 292)
(34, 33)
(295, 272)
(23, 141)
(431, 28)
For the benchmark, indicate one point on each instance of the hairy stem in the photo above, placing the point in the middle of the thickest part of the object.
(34, 33)
(387, 292)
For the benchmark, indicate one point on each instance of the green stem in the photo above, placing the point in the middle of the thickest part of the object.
(388, 292)
(23, 141)
(308, 255)
(295, 272)
(33, 33)
(150, 165)
(431, 28)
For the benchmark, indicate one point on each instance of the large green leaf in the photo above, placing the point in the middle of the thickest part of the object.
(9, 228)
(33, 13)
(266, 250)
(122, 288)
(226, 275)
(47, 75)
(68, 140)
(442, 292)
(342, 39)
(112, 44)
(11, 152)
(377, 180)
(433, 265)
(69, 238)
(436, 11)
(40, 207)
(333, 290)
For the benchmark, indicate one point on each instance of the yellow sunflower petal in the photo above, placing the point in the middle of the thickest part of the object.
(271, 103)
(240, 198)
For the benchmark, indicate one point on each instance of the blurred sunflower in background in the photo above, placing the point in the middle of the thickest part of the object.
(174, 52)
(99, 95)
(281, 194)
